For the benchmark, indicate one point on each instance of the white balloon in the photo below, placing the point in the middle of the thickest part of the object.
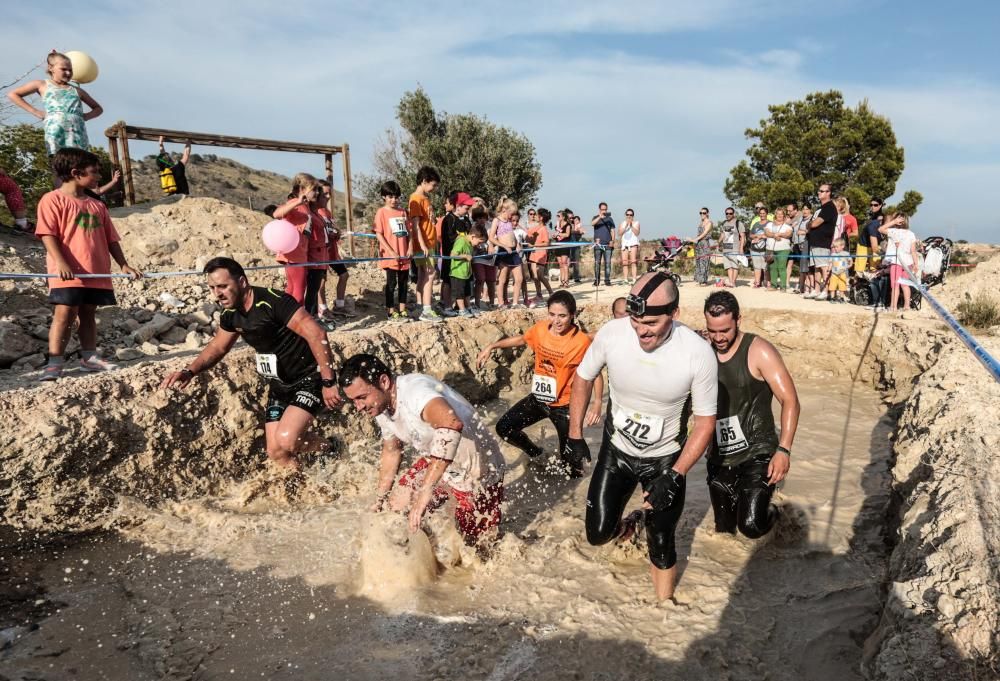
(84, 67)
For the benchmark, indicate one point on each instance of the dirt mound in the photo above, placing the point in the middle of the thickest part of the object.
(983, 278)
(153, 316)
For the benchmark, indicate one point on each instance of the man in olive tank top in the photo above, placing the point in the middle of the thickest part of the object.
(748, 457)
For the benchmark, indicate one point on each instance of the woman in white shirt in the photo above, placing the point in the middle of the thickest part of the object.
(629, 233)
(900, 250)
(779, 241)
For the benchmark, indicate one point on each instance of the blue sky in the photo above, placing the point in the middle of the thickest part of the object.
(641, 104)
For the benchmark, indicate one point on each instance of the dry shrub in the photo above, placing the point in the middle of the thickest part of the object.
(981, 311)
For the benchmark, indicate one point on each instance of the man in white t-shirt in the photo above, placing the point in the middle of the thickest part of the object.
(659, 373)
(457, 454)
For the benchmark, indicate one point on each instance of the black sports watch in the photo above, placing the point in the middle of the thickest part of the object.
(328, 382)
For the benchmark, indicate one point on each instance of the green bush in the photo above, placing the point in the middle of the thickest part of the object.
(981, 311)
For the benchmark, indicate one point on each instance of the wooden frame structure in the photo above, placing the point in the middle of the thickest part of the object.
(119, 134)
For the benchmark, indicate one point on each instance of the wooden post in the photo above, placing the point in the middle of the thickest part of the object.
(113, 154)
(127, 162)
(348, 202)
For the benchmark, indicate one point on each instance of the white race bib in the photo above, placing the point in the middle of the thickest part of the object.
(641, 430)
(398, 226)
(267, 365)
(544, 388)
(729, 435)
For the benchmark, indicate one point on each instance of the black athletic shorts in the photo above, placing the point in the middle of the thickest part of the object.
(339, 268)
(307, 393)
(461, 288)
(77, 296)
(507, 258)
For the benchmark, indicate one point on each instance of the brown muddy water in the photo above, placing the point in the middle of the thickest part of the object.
(252, 585)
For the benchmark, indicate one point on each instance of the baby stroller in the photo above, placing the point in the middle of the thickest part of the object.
(873, 288)
(937, 260)
(664, 255)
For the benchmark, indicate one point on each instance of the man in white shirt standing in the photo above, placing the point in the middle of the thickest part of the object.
(659, 372)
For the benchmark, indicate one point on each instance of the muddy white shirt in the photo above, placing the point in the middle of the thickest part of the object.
(478, 462)
(650, 391)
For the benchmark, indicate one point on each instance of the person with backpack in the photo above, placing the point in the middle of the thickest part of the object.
(173, 174)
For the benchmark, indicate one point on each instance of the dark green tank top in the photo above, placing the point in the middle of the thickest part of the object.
(744, 425)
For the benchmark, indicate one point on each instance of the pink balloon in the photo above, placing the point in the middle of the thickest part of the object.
(280, 236)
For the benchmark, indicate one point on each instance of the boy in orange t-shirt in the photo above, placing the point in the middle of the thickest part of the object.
(424, 232)
(79, 239)
(395, 248)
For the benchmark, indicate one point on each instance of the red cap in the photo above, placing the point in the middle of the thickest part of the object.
(464, 199)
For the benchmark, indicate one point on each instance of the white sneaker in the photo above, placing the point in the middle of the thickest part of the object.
(95, 363)
(51, 372)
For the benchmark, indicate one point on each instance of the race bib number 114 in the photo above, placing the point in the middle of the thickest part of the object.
(267, 365)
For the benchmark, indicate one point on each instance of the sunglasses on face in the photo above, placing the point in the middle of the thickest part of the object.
(629, 215)
(702, 212)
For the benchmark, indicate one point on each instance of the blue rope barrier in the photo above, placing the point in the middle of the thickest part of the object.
(985, 358)
(320, 263)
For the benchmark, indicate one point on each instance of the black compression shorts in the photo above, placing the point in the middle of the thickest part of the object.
(741, 496)
(306, 394)
(611, 485)
(75, 296)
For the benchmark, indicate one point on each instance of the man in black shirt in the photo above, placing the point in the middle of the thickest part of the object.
(177, 168)
(290, 346)
(604, 243)
(820, 237)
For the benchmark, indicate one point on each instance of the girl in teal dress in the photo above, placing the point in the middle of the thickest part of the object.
(63, 116)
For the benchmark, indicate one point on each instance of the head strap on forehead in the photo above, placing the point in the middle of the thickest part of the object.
(636, 303)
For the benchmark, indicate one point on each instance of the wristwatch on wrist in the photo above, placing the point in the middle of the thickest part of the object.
(328, 382)
(783, 449)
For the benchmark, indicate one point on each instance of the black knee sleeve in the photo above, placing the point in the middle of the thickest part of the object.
(756, 513)
(660, 529)
(723, 499)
